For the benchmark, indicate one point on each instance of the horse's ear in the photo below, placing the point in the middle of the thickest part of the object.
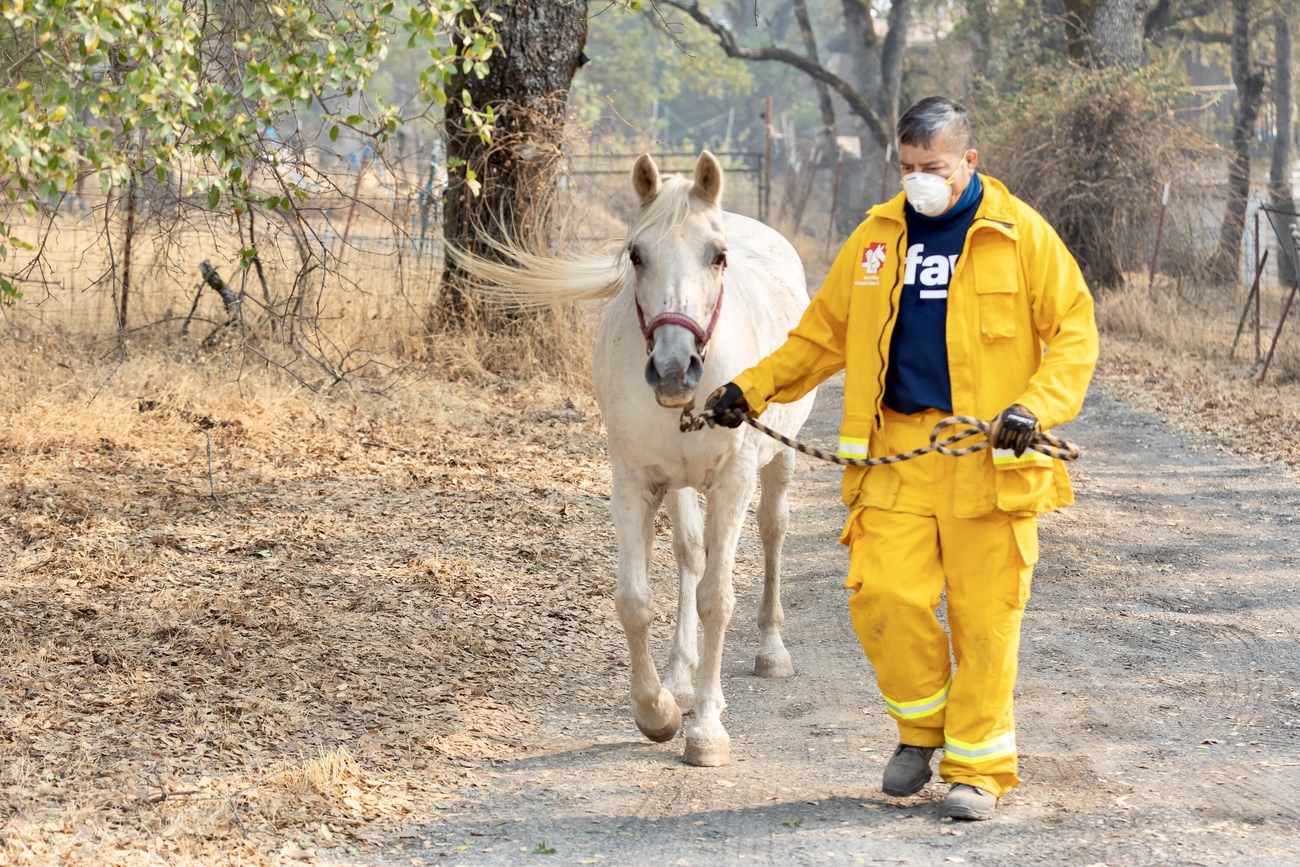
(645, 177)
(708, 179)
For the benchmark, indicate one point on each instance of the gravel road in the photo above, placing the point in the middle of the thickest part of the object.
(1158, 702)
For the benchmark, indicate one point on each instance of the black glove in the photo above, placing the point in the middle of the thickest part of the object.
(728, 406)
(1013, 429)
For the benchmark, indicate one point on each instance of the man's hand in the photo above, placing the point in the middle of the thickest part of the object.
(728, 406)
(1013, 429)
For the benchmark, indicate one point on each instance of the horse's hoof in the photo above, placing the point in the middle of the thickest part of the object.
(773, 665)
(660, 730)
(712, 753)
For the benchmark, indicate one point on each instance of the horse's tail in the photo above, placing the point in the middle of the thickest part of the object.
(520, 276)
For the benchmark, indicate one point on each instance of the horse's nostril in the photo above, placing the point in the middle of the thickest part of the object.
(694, 370)
(652, 377)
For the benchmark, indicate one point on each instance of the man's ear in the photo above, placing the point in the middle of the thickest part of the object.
(973, 157)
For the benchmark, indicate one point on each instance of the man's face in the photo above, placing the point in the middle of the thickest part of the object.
(940, 158)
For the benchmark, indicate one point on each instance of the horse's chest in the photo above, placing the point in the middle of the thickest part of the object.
(697, 460)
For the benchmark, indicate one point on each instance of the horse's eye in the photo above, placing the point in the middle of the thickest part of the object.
(720, 260)
(634, 257)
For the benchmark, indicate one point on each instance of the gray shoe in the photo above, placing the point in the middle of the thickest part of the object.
(968, 802)
(908, 771)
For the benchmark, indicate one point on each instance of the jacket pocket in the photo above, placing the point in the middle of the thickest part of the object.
(881, 487)
(1023, 490)
(1025, 529)
(1026, 532)
(999, 308)
(876, 487)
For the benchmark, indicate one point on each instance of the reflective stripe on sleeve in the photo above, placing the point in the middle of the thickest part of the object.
(852, 447)
(921, 707)
(970, 754)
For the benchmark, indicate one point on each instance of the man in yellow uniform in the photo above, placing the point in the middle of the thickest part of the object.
(957, 298)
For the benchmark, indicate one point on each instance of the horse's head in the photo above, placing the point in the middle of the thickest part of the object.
(677, 250)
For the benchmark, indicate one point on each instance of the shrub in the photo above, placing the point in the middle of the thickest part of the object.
(1091, 150)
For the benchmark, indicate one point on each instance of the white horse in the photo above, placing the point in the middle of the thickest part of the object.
(667, 283)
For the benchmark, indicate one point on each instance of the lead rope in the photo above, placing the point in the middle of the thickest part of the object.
(967, 426)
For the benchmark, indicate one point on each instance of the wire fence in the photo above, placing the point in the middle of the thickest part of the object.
(358, 262)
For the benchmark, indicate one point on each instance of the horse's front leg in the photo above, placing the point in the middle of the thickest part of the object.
(773, 659)
(688, 547)
(707, 742)
(634, 505)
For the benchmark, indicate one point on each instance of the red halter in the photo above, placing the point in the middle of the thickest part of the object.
(672, 317)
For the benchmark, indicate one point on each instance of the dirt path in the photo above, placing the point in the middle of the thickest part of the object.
(1159, 698)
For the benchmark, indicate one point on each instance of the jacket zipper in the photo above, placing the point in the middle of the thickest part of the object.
(880, 343)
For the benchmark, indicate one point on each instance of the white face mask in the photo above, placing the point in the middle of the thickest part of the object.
(930, 194)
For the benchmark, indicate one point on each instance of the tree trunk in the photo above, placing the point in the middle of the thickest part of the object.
(878, 75)
(1225, 266)
(1078, 27)
(981, 37)
(1117, 27)
(1056, 40)
(1279, 173)
(527, 86)
(878, 63)
(831, 148)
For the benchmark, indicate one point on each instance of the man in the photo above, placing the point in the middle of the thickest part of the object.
(953, 298)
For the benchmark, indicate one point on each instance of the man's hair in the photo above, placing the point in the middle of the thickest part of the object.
(933, 116)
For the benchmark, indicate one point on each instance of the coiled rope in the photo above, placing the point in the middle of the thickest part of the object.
(966, 427)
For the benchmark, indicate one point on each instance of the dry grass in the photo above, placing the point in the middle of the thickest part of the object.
(1170, 352)
(310, 637)
(251, 611)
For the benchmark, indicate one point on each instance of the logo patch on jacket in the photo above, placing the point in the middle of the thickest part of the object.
(873, 257)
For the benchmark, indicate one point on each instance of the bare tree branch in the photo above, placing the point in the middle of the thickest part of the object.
(857, 102)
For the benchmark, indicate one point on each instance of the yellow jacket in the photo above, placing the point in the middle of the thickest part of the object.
(1020, 331)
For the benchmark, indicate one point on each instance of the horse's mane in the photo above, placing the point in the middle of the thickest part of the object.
(526, 277)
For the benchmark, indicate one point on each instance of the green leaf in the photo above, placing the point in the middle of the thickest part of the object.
(334, 132)
(214, 196)
(542, 849)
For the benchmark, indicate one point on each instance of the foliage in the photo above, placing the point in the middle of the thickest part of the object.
(185, 92)
(662, 56)
(634, 65)
(1091, 149)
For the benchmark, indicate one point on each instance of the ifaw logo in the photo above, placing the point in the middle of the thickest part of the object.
(873, 257)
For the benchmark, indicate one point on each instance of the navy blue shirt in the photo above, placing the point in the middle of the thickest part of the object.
(917, 377)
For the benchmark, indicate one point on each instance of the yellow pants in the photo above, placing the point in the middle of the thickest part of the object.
(900, 560)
